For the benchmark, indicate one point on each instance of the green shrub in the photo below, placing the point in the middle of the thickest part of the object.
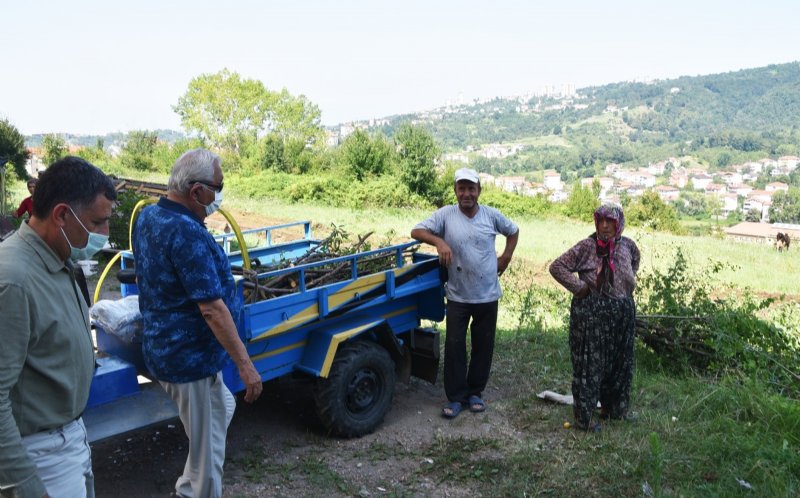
(118, 232)
(689, 322)
(382, 192)
(514, 205)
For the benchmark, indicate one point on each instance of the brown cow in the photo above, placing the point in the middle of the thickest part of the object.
(782, 241)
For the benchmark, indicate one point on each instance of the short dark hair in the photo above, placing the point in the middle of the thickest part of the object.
(72, 180)
(32, 181)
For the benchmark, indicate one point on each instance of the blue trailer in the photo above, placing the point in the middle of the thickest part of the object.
(355, 336)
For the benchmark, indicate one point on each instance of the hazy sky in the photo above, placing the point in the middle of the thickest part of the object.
(84, 66)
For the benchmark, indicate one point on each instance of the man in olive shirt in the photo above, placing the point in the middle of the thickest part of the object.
(46, 358)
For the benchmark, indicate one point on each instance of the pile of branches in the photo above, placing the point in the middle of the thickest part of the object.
(692, 321)
(729, 339)
(259, 287)
(683, 339)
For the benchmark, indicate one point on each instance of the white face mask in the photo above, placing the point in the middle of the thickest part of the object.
(215, 204)
(96, 242)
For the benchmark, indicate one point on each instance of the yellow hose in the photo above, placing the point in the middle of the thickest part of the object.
(103, 275)
(138, 207)
(239, 238)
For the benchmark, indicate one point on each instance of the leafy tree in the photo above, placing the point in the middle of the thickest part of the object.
(296, 118)
(225, 110)
(95, 155)
(118, 229)
(297, 155)
(418, 153)
(54, 147)
(723, 159)
(230, 113)
(694, 204)
(650, 211)
(785, 207)
(271, 153)
(12, 148)
(365, 156)
(753, 215)
(137, 153)
(581, 203)
(165, 154)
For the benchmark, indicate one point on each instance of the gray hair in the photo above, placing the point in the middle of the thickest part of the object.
(193, 166)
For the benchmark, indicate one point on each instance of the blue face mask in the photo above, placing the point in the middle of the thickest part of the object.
(96, 242)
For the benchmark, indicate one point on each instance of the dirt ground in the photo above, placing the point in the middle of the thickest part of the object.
(277, 447)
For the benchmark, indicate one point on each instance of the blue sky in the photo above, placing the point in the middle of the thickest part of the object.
(94, 67)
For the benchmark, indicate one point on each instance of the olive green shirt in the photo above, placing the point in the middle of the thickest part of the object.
(46, 353)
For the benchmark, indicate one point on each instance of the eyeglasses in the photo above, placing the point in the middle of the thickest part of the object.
(211, 186)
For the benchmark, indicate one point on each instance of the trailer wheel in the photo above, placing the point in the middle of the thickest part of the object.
(357, 394)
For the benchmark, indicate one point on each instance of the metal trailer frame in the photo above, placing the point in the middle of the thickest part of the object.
(298, 333)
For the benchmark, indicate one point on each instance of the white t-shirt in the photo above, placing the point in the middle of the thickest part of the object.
(472, 275)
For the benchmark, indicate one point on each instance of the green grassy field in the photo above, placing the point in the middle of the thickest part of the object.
(753, 266)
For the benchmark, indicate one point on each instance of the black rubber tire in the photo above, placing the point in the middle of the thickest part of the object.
(358, 392)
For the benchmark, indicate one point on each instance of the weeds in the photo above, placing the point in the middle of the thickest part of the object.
(657, 457)
(690, 322)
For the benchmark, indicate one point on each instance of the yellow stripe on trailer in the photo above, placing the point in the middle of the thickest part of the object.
(339, 338)
(278, 351)
(343, 296)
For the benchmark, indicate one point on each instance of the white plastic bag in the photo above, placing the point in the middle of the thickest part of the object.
(121, 317)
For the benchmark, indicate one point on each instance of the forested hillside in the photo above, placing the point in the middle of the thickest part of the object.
(720, 118)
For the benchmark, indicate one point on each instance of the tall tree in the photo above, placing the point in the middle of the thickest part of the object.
(271, 153)
(418, 153)
(365, 156)
(231, 112)
(296, 118)
(650, 211)
(54, 147)
(581, 203)
(785, 207)
(12, 148)
(138, 151)
(226, 110)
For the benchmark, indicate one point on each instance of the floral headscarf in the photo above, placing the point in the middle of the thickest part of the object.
(612, 211)
(606, 249)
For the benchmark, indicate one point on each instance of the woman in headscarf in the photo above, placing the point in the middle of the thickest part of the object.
(600, 272)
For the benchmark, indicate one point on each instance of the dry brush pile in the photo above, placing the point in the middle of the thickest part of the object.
(323, 264)
(690, 322)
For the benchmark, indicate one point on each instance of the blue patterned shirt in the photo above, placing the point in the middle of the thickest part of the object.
(178, 265)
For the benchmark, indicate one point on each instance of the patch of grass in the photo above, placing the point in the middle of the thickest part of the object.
(257, 467)
(321, 476)
(695, 436)
(462, 459)
(379, 451)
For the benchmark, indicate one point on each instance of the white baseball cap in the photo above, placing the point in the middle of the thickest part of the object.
(467, 174)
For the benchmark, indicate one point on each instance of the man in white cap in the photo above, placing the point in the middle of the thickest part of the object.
(464, 237)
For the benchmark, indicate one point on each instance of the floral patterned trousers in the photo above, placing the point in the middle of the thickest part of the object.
(601, 333)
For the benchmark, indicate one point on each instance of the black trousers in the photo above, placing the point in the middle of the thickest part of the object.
(461, 382)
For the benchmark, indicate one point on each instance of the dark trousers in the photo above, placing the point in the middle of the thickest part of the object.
(461, 382)
(601, 335)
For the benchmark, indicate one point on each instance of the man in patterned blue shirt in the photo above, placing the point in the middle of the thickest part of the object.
(190, 307)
